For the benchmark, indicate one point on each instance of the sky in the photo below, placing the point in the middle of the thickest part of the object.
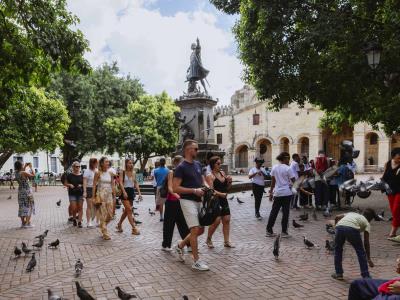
(150, 40)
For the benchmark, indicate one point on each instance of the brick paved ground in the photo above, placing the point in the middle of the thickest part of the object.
(137, 264)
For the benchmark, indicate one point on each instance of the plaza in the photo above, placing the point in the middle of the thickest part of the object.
(137, 264)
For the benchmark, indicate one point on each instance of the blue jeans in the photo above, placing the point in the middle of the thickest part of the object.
(366, 289)
(353, 236)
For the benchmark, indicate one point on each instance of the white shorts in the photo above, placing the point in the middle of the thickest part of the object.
(159, 199)
(191, 211)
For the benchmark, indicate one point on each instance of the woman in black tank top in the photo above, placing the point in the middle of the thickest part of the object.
(220, 183)
(392, 177)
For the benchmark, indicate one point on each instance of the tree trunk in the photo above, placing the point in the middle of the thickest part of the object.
(4, 156)
(143, 164)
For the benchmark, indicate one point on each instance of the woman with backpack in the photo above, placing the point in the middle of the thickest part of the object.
(128, 183)
(220, 183)
(173, 213)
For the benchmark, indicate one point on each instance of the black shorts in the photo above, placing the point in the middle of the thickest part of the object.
(89, 193)
(131, 193)
(224, 207)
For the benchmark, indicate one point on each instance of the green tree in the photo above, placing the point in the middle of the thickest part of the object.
(148, 129)
(36, 40)
(90, 100)
(36, 122)
(298, 51)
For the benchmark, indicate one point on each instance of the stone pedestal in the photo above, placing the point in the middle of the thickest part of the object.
(198, 111)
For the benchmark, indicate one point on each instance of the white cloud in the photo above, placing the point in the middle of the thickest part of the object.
(156, 48)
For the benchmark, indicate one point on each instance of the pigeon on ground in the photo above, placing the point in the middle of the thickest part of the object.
(239, 201)
(303, 217)
(329, 229)
(78, 268)
(124, 295)
(52, 296)
(25, 249)
(231, 198)
(308, 243)
(329, 245)
(152, 213)
(314, 215)
(17, 252)
(32, 264)
(277, 244)
(9, 198)
(82, 293)
(58, 202)
(137, 222)
(381, 216)
(43, 235)
(136, 214)
(297, 225)
(39, 244)
(134, 207)
(54, 244)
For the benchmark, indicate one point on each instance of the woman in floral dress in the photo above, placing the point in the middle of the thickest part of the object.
(25, 197)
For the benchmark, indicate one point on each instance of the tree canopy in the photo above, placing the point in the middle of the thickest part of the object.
(148, 128)
(90, 100)
(314, 50)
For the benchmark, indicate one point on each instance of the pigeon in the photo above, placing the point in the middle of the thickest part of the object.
(39, 244)
(308, 243)
(329, 229)
(297, 225)
(52, 296)
(152, 213)
(134, 207)
(329, 245)
(239, 201)
(25, 249)
(380, 217)
(303, 217)
(136, 214)
(9, 198)
(138, 222)
(43, 235)
(124, 295)
(54, 244)
(277, 243)
(32, 263)
(314, 215)
(78, 267)
(82, 293)
(58, 203)
(231, 198)
(17, 252)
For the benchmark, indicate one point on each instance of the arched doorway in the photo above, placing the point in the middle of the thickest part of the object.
(241, 159)
(284, 144)
(371, 149)
(264, 151)
(303, 147)
(331, 141)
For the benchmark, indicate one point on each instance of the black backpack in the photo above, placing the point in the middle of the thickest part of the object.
(210, 208)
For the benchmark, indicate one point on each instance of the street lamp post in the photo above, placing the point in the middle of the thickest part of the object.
(373, 52)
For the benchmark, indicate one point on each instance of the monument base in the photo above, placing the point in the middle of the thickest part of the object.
(204, 149)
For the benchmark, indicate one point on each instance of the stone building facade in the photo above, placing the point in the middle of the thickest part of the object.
(247, 129)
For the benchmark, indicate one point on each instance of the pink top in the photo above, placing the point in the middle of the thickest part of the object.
(171, 197)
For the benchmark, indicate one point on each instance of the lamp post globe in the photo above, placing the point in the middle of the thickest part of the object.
(373, 52)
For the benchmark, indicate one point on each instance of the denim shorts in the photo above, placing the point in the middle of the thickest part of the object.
(75, 198)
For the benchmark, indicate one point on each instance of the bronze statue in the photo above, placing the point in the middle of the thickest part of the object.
(196, 71)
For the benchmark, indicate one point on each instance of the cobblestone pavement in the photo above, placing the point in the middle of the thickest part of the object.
(137, 264)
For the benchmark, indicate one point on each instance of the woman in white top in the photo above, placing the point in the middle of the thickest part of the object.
(103, 185)
(88, 177)
(128, 183)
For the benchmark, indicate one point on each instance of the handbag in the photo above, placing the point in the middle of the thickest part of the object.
(97, 200)
(210, 208)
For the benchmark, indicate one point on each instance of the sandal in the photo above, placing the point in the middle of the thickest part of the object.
(106, 237)
(119, 228)
(210, 243)
(228, 245)
(135, 231)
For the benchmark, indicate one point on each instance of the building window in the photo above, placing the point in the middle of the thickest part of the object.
(20, 158)
(256, 119)
(219, 138)
(373, 140)
(36, 162)
(53, 164)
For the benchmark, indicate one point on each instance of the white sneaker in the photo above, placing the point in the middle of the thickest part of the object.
(90, 225)
(200, 266)
(180, 253)
(166, 249)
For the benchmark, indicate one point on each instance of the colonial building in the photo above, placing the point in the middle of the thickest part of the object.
(247, 129)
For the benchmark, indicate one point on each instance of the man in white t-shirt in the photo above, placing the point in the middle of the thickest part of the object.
(295, 169)
(256, 175)
(280, 193)
(349, 228)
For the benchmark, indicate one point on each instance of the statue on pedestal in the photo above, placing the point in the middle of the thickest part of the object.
(196, 71)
